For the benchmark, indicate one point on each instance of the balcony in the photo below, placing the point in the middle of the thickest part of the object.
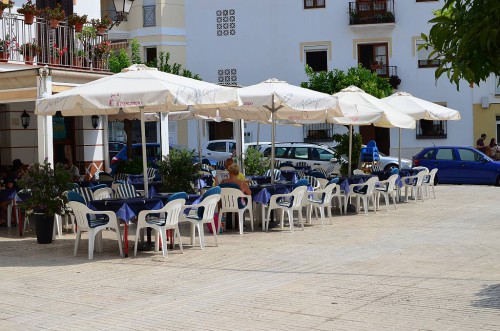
(384, 70)
(371, 12)
(57, 47)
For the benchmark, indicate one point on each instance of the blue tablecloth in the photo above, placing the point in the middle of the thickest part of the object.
(290, 175)
(356, 179)
(153, 188)
(126, 209)
(262, 193)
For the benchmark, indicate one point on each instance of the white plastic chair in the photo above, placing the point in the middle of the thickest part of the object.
(151, 172)
(229, 199)
(413, 185)
(323, 182)
(126, 191)
(286, 202)
(277, 174)
(209, 205)
(358, 172)
(168, 220)
(301, 164)
(313, 182)
(103, 193)
(340, 196)
(428, 182)
(355, 190)
(322, 199)
(387, 189)
(94, 227)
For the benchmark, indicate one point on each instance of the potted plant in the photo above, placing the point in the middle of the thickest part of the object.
(46, 187)
(101, 52)
(77, 21)
(56, 54)
(255, 162)
(29, 11)
(54, 15)
(394, 80)
(101, 24)
(5, 5)
(29, 51)
(79, 57)
(178, 172)
(5, 48)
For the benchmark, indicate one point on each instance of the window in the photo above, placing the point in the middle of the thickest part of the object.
(423, 57)
(226, 22)
(468, 155)
(325, 155)
(150, 55)
(232, 147)
(317, 59)
(445, 154)
(148, 14)
(227, 76)
(300, 153)
(308, 4)
(429, 155)
(431, 129)
(217, 147)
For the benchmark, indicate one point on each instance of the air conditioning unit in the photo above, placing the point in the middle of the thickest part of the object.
(485, 102)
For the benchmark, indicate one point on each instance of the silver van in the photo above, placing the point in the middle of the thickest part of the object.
(313, 155)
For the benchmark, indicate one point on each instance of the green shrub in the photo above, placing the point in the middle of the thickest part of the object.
(255, 162)
(342, 150)
(178, 172)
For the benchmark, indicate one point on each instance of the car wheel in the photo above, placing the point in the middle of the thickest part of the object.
(435, 180)
(391, 166)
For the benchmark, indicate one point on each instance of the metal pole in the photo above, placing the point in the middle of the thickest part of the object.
(144, 156)
(273, 139)
(198, 126)
(399, 152)
(350, 151)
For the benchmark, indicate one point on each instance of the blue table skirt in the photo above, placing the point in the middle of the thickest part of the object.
(126, 209)
(262, 193)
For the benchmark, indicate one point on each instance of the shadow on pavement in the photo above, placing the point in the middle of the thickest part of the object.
(491, 297)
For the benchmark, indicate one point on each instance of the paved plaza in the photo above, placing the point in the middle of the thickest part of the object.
(425, 266)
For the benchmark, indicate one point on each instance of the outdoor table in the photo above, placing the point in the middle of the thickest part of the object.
(127, 210)
(154, 187)
(261, 179)
(14, 196)
(355, 179)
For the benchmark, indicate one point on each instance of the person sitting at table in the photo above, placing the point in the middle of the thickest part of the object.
(234, 178)
(230, 162)
(72, 170)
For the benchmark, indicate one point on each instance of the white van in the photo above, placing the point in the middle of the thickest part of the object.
(313, 155)
(220, 150)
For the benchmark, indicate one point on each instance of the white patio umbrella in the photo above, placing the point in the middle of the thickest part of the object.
(279, 100)
(138, 89)
(361, 108)
(420, 109)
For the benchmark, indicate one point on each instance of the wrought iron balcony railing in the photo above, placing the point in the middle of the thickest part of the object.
(384, 70)
(371, 12)
(61, 46)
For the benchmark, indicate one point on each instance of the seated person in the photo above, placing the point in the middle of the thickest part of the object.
(230, 162)
(72, 170)
(494, 149)
(234, 171)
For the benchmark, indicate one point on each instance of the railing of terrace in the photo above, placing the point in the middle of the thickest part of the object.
(61, 46)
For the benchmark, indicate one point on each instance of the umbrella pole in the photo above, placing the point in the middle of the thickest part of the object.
(144, 156)
(258, 133)
(399, 150)
(273, 140)
(350, 151)
(198, 136)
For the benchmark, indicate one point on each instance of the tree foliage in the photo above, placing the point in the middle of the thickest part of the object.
(255, 162)
(333, 81)
(119, 61)
(465, 36)
(342, 149)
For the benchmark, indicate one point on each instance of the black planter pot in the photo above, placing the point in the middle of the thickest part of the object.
(44, 226)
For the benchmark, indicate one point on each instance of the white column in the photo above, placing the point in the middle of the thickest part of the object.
(164, 140)
(105, 142)
(238, 129)
(44, 123)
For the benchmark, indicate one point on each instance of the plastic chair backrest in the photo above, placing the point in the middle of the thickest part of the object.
(372, 144)
(75, 196)
(103, 193)
(98, 186)
(302, 182)
(229, 185)
(126, 191)
(394, 171)
(86, 193)
(335, 180)
(178, 195)
(317, 174)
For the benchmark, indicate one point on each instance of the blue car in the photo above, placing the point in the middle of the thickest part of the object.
(459, 165)
(153, 153)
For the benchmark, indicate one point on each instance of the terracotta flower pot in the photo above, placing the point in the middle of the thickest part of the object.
(55, 61)
(28, 19)
(28, 59)
(78, 61)
(78, 27)
(101, 30)
(4, 56)
(54, 24)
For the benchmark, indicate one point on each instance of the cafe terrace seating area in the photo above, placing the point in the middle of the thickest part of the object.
(296, 198)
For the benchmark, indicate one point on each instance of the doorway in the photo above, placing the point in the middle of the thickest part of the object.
(380, 135)
(374, 57)
(63, 129)
(220, 130)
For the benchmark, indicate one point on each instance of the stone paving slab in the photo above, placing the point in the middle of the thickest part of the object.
(425, 266)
